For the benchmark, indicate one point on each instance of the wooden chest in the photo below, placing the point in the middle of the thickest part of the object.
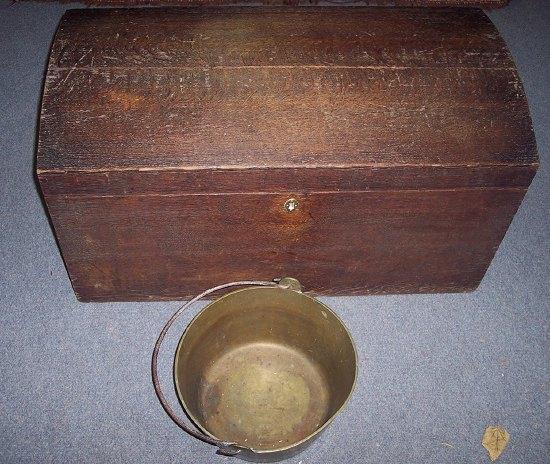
(360, 150)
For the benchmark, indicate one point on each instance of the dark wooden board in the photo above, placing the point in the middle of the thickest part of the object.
(284, 180)
(142, 247)
(278, 88)
(235, 37)
(283, 118)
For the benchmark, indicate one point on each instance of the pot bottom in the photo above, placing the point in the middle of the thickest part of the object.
(263, 396)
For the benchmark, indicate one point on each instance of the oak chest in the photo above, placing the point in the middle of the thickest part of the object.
(360, 150)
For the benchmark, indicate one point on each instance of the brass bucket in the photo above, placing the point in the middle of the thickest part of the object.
(261, 371)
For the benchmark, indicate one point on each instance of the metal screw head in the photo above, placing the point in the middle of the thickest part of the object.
(290, 283)
(291, 205)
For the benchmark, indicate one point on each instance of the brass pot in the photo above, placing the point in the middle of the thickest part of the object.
(261, 371)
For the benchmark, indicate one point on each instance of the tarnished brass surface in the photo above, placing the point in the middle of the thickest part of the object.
(266, 368)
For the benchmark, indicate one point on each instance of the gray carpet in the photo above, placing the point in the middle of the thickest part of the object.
(435, 370)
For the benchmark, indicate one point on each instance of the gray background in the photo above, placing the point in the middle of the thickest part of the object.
(435, 370)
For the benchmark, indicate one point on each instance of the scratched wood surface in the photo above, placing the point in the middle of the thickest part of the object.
(170, 138)
(279, 88)
(343, 243)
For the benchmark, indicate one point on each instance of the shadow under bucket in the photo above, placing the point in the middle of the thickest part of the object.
(261, 371)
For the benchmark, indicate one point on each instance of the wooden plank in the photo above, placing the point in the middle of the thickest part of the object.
(281, 88)
(228, 37)
(286, 180)
(175, 246)
(282, 117)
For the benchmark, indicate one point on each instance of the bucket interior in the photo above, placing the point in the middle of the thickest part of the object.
(264, 368)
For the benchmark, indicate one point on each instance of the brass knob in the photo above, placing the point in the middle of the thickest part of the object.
(291, 205)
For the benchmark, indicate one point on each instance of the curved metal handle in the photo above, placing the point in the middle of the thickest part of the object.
(224, 448)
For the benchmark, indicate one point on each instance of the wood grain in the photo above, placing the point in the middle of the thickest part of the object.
(135, 247)
(284, 118)
(242, 87)
(304, 178)
(247, 36)
(170, 139)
